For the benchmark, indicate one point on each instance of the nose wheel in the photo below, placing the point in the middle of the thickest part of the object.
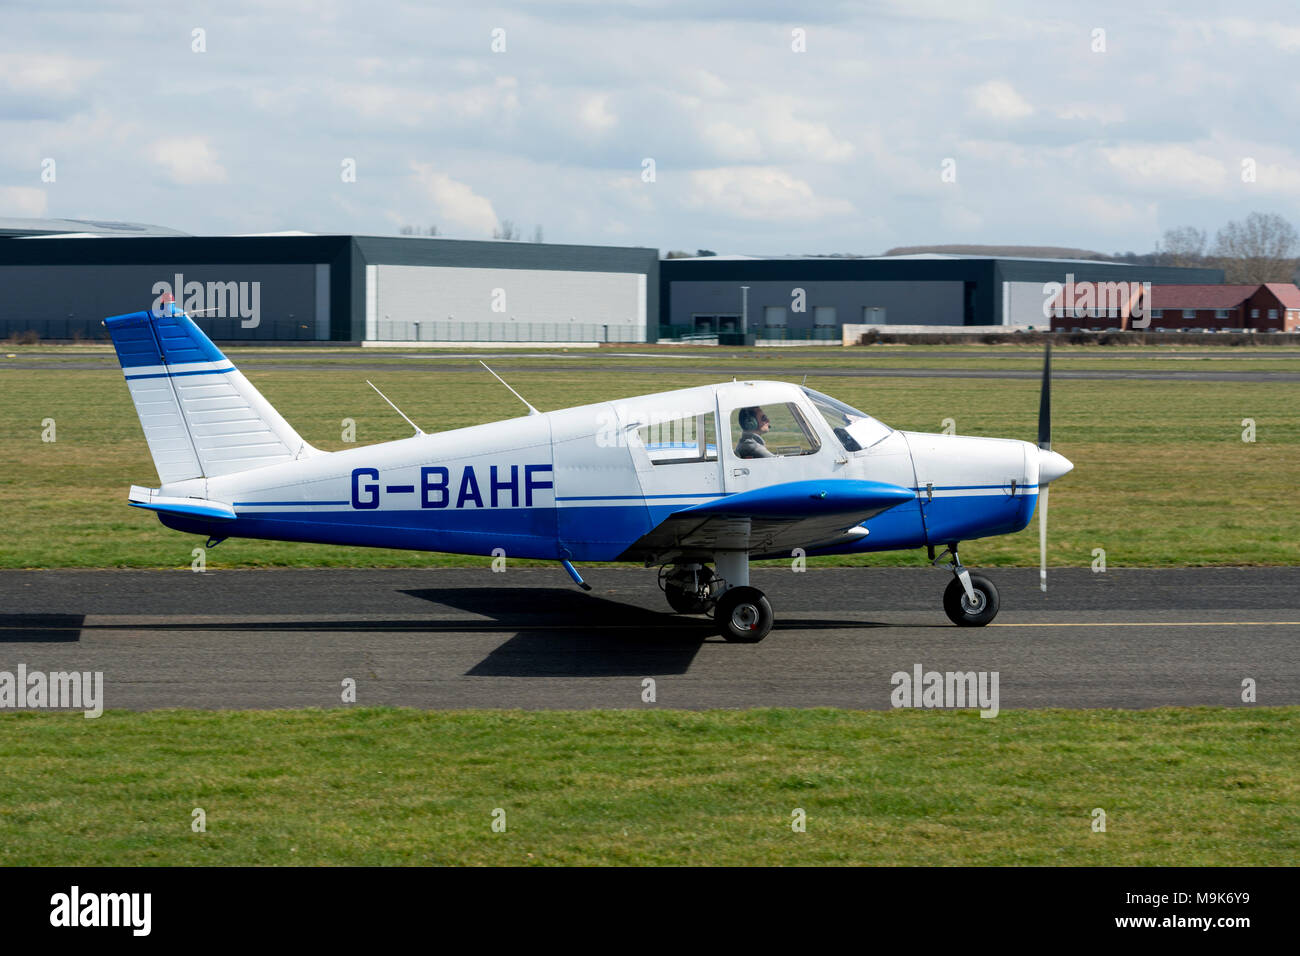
(970, 600)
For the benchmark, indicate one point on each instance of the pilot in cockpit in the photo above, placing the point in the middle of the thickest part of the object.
(753, 423)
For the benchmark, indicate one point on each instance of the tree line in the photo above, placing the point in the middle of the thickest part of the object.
(1263, 247)
(505, 229)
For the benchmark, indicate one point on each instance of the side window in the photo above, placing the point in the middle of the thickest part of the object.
(772, 431)
(680, 441)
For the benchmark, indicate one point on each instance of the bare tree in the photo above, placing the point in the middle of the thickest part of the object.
(505, 230)
(1183, 246)
(537, 235)
(1260, 248)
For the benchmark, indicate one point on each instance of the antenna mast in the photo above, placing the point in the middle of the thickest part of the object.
(417, 428)
(531, 410)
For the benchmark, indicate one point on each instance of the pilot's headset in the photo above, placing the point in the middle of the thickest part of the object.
(749, 419)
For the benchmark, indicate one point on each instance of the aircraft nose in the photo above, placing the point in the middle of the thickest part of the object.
(1052, 465)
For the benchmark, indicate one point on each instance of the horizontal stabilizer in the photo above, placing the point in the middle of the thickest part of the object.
(190, 507)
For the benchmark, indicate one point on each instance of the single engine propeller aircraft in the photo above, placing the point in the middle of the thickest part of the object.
(697, 481)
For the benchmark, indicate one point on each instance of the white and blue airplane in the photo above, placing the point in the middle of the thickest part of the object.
(697, 481)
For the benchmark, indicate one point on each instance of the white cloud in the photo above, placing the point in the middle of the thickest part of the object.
(1276, 177)
(761, 193)
(1091, 112)
(631, 192)
(1110, 212)
(731, 142)
(415, 106)
(44, 74)
(187, 160)
(595, 114)
(772, 128)
(23, 201)
(705, 83)
(554, 131)
(1284, 36)
(995, 152)
(455, 204)
(999, 99)
(1169, 164)
(784, 127)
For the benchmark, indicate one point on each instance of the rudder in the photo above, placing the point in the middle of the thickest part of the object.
(201, 417)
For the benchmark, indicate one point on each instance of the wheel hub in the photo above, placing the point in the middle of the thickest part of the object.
(745, 617)
(973, 607)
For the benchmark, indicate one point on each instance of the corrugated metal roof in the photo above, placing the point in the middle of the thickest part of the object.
(81, 228)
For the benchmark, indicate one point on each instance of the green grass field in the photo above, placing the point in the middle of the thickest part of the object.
(1162, 476)
(1179, 787)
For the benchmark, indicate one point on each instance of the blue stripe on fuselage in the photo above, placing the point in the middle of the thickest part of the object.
(606, 531)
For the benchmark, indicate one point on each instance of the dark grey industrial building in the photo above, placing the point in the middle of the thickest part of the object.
(60, 278)
(337, 288)
(814, 297)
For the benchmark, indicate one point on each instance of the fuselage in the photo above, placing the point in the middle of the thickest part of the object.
(586, 483)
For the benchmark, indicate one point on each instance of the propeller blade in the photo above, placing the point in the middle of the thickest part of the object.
(1042, 538)
(1045, 402)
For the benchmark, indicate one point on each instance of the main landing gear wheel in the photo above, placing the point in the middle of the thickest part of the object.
(965, 613)
(743, 615)
(684, 587)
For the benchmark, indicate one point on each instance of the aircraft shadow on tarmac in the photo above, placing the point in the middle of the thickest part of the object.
(40, 628)
(567, 633)
(557, 632)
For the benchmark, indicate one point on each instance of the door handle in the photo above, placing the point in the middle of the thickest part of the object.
(737, 472)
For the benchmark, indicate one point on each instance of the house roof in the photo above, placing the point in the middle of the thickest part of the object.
(1200, 296)
(1286, 293)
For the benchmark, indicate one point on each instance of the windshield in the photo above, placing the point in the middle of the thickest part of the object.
(856, 430)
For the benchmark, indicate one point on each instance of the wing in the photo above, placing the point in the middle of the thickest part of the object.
(775, 519)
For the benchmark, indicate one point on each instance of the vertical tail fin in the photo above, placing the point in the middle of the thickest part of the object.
(201, 417)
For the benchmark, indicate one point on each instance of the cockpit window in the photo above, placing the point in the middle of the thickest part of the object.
(773, 430)
(680, 441)
(855, 430)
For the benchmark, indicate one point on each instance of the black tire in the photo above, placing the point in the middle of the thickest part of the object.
(683, 601)
(957, 606)
(743, 615)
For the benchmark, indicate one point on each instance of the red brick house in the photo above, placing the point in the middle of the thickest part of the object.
(1270, 306)
(1275, 306)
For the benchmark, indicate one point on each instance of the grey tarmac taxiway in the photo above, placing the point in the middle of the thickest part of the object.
(527, 638)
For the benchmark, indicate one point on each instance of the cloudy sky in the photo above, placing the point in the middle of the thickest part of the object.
(772, 130)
